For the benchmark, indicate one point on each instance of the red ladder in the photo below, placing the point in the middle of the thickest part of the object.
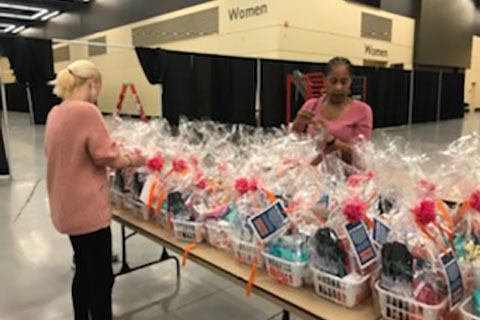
(123, 91)
(314, 84)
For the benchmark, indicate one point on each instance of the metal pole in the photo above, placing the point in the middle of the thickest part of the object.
(94, 44)
(410, 102)
(6, 137)
(30, 103)
(258, 106)
(439, 97)
(4, 97)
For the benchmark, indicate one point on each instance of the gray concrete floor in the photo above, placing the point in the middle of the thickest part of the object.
(35, 267)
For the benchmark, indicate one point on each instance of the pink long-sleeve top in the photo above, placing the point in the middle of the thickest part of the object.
(78, 148)
(357, 121)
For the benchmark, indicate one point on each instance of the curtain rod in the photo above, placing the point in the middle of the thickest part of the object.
(92, 43)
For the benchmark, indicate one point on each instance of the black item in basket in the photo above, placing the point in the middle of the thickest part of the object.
(176, 205)
(397, 266)
(119, 181)
(138, 182)
(385, 204)
(330, 252)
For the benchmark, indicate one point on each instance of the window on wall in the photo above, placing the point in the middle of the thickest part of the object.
(61, 54)
(97, 50)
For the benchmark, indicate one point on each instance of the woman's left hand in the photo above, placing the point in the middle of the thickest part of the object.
(321, 126)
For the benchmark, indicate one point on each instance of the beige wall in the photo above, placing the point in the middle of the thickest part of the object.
(472, 77)
(317, 30)
(321, 29)
(118, 66)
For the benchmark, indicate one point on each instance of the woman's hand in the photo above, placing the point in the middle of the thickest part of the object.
(321, 126)
(138, 160)
(304, 117)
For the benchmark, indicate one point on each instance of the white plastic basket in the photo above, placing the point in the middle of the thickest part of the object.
(466, 310)
(247, 252)
(161, 218)
(188, 231)
(219, 236)
(117, 197)
(395, 307)
(344, 291)
(141, 210)
(286, 272)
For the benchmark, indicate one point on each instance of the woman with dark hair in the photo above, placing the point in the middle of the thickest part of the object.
(341, 119)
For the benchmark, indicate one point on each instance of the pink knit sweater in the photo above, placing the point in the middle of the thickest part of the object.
(78, 148)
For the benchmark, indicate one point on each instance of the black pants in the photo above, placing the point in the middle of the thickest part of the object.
(93, 281)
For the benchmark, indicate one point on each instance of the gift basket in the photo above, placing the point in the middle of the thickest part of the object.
(464, 180)
(288, 255)
(343, 255)
(419, 269)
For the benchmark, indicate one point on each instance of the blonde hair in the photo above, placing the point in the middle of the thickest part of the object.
(74, 76)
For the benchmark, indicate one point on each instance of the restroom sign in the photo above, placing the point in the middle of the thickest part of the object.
(239, 13)
(375, 52)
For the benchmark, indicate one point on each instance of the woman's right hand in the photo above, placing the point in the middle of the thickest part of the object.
(138, 160)
(304, 117)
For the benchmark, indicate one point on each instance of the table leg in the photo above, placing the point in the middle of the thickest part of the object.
(126, 267)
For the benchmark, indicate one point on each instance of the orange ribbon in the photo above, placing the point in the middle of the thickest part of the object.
(214, 192)
(466, 206)
(151, 196)
(431, 236)
(253, 272)
(444, 211)
(170, 223)
(271, 197)
(367, 219)
(251, 278)
(163, 194)
(187, 251)
(369, 222)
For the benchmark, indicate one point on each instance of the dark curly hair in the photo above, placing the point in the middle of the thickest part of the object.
(339, 61)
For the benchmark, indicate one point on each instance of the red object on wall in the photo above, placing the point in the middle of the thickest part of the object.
(314, 84)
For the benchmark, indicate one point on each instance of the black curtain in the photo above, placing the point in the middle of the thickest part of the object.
(178, 87)
(387, 94)
(453, 92)
(153, 62)
(202, 86)
(425, 96)
(16, 97)
(32, 62)
(233, 88)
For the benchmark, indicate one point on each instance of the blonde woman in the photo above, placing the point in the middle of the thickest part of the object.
(79, 148)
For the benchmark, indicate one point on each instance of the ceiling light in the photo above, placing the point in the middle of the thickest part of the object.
(6, 27)
(50, 15)
(36, 12)
(18, 30)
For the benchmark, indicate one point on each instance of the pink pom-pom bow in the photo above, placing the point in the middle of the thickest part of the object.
(354, 180)
(425, 212)
(475, 200)
(201, 181)
(155, 164)
(242, 185)
(179, 165)
(354, 210)
(253, 185)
